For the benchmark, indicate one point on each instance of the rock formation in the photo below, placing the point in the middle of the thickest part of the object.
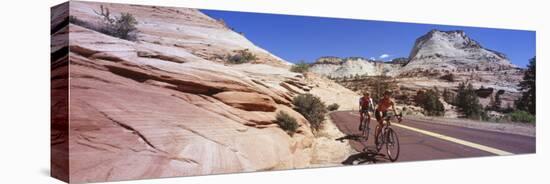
(168, 105)
(434, 57)
(350, 67)
(453, 51)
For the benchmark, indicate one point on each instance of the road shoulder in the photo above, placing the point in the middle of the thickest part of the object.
(509, 128)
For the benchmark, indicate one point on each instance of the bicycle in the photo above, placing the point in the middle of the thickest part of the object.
(388, 137)
(365, 124)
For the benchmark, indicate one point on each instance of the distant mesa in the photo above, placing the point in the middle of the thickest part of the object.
(437, 51)
(329, 60)
(452, 51)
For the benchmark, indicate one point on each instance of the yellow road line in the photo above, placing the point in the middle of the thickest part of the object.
(455, 140)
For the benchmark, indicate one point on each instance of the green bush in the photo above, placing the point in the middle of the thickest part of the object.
(468, 103)
(300, 67)
(123, 26)
(429, 100)
(286, 122)
(312, 108)
(333, 107)
(241, 56)
(521, 116)
(448, 96)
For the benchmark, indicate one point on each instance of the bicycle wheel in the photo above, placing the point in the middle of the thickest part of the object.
(366, 128)
(379, 138)
(392, 145)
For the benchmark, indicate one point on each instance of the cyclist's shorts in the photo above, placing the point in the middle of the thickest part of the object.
(380, 114)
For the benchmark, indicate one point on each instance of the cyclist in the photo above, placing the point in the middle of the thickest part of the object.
(365, 105)
(382, 111)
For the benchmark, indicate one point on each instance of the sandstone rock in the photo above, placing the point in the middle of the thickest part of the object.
(292, 88)
(247, 101)
(453, 51)
(160, 56)
(354, 67)
(181, 28)
(331, 92)
(325, 150)
(151, 109)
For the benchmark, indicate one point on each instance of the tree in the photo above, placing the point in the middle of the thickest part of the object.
(527, 101)
(429, 100)
(448, 96)
(468, 102)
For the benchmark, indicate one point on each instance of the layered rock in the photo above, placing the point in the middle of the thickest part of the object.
(165, 106)
(181, 28)
(59, 62)
(350, 67)
(453, 51)
(434, 55)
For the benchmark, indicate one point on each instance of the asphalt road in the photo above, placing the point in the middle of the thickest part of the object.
(423, 140)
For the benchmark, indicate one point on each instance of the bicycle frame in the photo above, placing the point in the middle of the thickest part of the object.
(386, 138)
(366, 125)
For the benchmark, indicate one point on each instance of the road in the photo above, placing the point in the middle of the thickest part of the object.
(423, 140)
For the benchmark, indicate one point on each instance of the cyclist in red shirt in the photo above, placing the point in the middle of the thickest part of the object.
(365, 105)
(381, 112)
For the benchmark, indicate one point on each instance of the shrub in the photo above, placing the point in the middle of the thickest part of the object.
(123, 26)
(468, 102)
(312, 108)
(420, 97)
(448, 96)
(286, 122)
(241, 56)
(333, 107)
(521, 116)
(429, 100)
(300, 67)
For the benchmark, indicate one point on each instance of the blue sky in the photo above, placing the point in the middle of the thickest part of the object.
(296, 38)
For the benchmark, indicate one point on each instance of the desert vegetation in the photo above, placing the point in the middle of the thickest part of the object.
(312, 108)
(429, 101)
(520, 116)
(122, 26)
(241, 56)
(286, 122)
(300, 67)
(468, 103)
(527, 101)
